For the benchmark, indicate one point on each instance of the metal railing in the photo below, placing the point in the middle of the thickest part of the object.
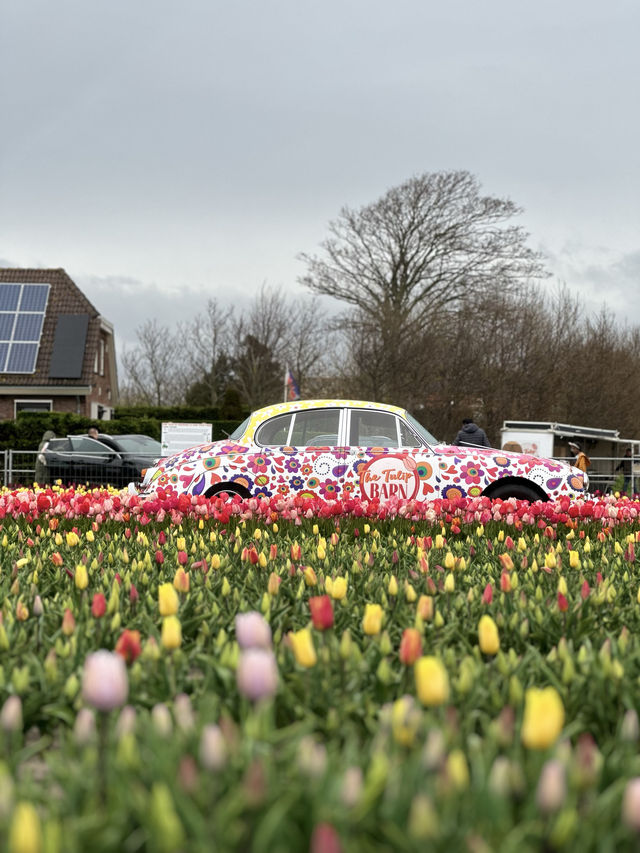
(26, 467)
(19, 467)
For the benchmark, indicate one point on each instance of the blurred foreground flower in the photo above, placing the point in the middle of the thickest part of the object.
(252, 630)
(104, 680)
(543, 717)
(631, 804)
(257, 674)
(25, 833)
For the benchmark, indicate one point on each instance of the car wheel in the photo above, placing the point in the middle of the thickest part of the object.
(230, 489)
(516, 489)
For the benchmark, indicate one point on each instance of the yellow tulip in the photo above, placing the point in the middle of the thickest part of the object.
(488, 637)
(543, 717)
(432, 681)
(25, 834)
(392, 589)
(171, 633)
(338, 588)
(372, 619)
(168, 600)
(303, 648)
(81, 577)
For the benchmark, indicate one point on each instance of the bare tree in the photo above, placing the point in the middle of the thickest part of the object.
(152, 370)
(425, 244)
(207, 346)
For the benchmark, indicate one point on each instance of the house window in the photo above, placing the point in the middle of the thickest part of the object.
(98, 361)
(32, 406)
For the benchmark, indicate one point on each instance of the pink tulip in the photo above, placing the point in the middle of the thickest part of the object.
(104, 680)
(631, 804)
(252, 631)
(257, 674)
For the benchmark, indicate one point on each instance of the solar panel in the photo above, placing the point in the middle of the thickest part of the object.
(22, 310)
(9, 296)
(34, 297)
(6, 326)
(22, 358)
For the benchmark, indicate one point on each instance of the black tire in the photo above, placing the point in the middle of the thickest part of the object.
(230, 489)
(516, 489)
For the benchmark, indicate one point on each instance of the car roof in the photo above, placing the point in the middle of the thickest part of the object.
(298, 405)
(259, 415)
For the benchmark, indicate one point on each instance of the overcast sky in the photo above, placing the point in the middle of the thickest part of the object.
(164, 153)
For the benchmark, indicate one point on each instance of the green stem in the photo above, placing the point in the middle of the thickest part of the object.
(103, 737)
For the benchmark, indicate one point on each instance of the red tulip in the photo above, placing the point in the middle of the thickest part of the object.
(487, 595)
(410, 646)
(128, 645)
(321, 612)
(98, 605)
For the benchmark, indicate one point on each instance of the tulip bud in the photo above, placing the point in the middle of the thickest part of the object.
(213, 748)
(552, 787)
(84, 726)
(11, 714)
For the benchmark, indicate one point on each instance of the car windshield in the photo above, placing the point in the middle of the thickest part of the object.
(239, 431)
(422, 432)
(138, 444)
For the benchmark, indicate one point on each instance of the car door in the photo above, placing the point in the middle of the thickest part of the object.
(383, 456)
(94, 462)
(302, 454)
(319, 456)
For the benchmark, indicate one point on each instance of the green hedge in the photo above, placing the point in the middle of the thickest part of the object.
(25, 433)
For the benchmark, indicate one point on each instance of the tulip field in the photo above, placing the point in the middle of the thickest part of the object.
(183, 674)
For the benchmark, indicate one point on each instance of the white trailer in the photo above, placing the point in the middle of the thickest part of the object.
(604, 447)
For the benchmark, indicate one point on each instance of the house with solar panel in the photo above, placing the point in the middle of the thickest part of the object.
(57, 353)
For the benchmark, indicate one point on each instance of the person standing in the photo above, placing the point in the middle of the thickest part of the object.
(625, 466)
(471, 435)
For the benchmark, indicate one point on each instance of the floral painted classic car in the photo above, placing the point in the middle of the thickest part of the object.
(341, 448)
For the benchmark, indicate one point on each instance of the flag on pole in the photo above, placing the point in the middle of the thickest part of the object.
(291, 390)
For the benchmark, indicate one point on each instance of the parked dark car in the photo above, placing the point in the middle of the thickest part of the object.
(108, 460)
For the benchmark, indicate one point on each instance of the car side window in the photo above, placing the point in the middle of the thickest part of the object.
(274, 432)
(90, 446)
(315, 427)
(407, 437)
(371, 428)
(58, 445)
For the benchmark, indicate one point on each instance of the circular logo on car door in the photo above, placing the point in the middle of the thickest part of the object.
(387, 477)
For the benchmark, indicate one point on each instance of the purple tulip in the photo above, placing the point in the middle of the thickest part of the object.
(257, 674)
